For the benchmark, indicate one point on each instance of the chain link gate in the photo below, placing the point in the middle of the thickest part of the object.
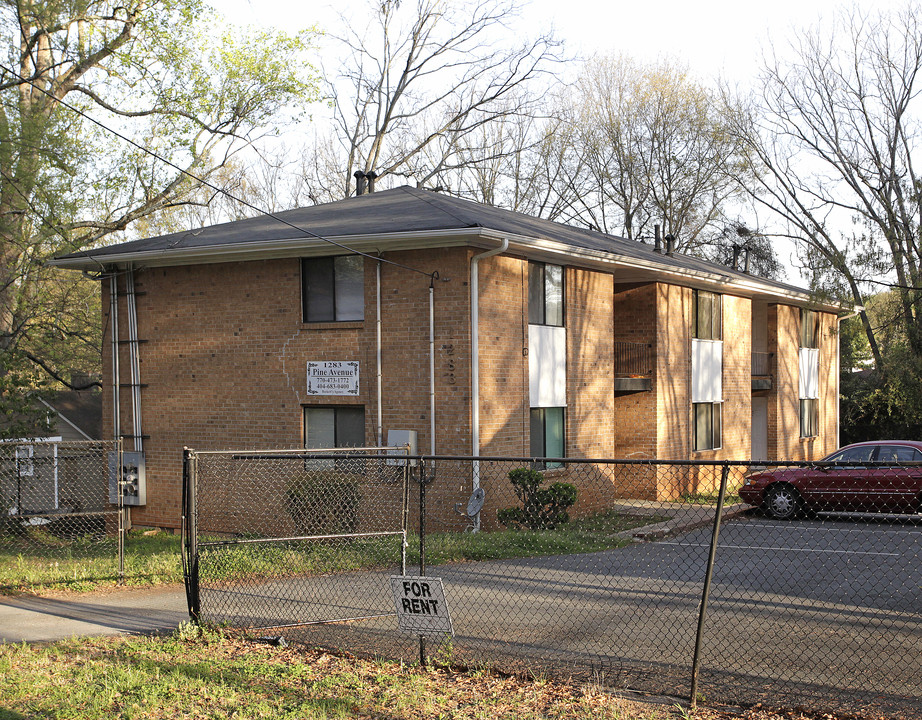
(288, 539)
(62, 518)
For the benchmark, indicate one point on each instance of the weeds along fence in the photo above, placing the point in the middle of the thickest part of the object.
(650, 576)
(57, 524)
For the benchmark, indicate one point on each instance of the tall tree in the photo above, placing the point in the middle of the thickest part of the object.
(651, 148)
(156, 71)
(834, 135)
(418, 83)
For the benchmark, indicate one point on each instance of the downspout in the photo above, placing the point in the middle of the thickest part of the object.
(134, 361)
(475, 359)
(839, 320)
(113, 336)
(378, 355)
(432, 363)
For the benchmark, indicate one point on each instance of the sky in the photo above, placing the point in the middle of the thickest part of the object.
(725, 39)
(714, 37)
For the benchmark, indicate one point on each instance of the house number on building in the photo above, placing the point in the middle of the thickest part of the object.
(333, 378)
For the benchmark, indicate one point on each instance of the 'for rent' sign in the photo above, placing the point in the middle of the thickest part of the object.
(421, 606)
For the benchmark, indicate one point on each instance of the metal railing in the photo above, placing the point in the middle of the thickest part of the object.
(762, 363)
(633, 359)
(653, 576)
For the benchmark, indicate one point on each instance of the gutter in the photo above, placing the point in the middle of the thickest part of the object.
(554, 251)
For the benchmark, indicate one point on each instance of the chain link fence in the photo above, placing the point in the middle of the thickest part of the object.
(792, 586)
(57, 524)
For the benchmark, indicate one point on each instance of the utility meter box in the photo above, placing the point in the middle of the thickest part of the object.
(131, 476)
(402, 438)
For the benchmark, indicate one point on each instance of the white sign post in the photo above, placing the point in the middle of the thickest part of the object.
(336, 377)
(421, 606)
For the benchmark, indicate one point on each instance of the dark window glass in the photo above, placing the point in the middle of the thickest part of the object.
(898, 454)
(545, 294)
(863, 453)
(332, 288)
(334, 427)
(547, 434)
(707, 310)
(809, 417)
(809, 329)
(706, 430)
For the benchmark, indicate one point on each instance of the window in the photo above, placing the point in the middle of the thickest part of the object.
(333, 289)
(545, 294)
(809, 417)
(334, 427)
(862, 453)
(706, 426)
(547, 434)
(809, 329)
(707, 320)
(898, 454)
(809, 374)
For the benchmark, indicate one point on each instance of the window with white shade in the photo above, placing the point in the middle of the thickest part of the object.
(809, 374)
(707, 369)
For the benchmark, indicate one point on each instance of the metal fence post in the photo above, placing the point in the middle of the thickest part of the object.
(708, 576)
(422, 546)
(122, 511)
(190, 532)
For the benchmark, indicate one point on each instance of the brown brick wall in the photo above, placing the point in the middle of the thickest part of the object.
(224, 364)
(784, 441)
(225, 359)
(635, 321)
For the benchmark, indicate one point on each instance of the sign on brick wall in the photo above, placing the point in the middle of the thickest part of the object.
(333, 377)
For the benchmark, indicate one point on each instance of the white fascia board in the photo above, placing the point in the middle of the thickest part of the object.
(751, 286)
(538, 248)
(273, 249)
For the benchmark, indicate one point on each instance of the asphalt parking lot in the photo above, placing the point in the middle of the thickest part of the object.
(798, 610)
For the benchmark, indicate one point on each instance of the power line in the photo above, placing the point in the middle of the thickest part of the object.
(204, 182)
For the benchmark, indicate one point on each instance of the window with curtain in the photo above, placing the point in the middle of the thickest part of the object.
(545, 294)
(333, 288)
(547, 434)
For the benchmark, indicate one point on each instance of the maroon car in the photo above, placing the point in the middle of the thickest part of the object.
(889, 482)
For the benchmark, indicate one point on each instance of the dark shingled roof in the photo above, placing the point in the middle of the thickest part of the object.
(399, 211)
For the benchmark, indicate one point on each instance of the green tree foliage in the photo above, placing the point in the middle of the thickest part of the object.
(878, 405)
(161, 73)
(542, 508)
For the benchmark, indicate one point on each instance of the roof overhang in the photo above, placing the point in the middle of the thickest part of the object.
(626, 268)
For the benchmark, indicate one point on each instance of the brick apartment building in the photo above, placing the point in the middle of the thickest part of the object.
(546, 340)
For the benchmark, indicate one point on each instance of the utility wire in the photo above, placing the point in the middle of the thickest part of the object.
(204, 182)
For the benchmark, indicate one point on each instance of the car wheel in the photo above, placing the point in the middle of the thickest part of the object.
(782, 502)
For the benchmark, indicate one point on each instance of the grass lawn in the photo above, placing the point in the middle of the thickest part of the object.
(197, 673)
(40, 562)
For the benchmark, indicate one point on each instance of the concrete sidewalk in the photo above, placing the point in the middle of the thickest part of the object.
(121, 611)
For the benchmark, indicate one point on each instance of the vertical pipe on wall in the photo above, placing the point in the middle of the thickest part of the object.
(475, 359)
(134, 361)
(113, 335)
(432, 364)
(378, 354)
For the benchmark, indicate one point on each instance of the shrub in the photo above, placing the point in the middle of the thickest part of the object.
(324, 502)
(542, 508)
